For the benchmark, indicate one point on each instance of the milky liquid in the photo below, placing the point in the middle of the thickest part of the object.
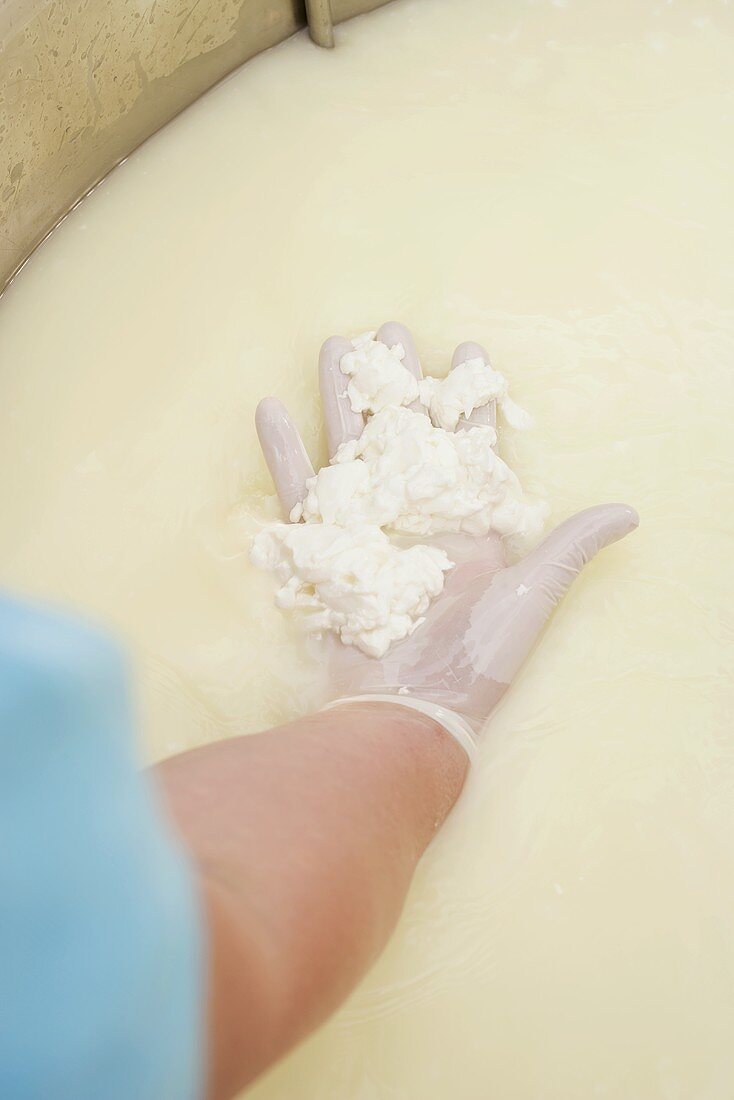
(555, 181)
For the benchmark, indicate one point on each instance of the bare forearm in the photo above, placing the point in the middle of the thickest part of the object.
(306, 838)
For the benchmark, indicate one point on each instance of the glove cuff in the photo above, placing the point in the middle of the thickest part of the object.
(452, 722)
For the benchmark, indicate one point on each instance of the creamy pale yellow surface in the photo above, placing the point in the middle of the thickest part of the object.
(554, 180)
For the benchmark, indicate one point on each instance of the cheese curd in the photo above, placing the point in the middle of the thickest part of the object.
(352, 581)
(409, 473)
(377, 377)
(405, 474)
(470, 385)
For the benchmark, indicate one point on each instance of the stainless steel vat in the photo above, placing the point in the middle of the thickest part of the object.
(84, 82)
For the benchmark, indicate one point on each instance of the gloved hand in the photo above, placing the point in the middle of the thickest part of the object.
(458, 663)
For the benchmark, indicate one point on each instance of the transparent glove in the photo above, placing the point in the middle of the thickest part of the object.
(457, 664)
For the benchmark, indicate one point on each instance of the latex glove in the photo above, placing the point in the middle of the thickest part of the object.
(480, 629)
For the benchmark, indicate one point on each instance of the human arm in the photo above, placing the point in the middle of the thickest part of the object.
(134, 965)
(321, 823)
(304, 840)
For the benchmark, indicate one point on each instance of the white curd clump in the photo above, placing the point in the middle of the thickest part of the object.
(377, 377)
(408, 473)
(405, 474)
(378, 380)
(470, 385)
(351, 580)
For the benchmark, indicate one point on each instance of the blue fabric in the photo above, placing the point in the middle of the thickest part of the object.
(100, 937)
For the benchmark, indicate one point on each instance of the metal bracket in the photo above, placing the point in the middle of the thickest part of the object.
(320, 23)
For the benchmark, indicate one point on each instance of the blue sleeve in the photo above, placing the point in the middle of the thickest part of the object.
(101, 959)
